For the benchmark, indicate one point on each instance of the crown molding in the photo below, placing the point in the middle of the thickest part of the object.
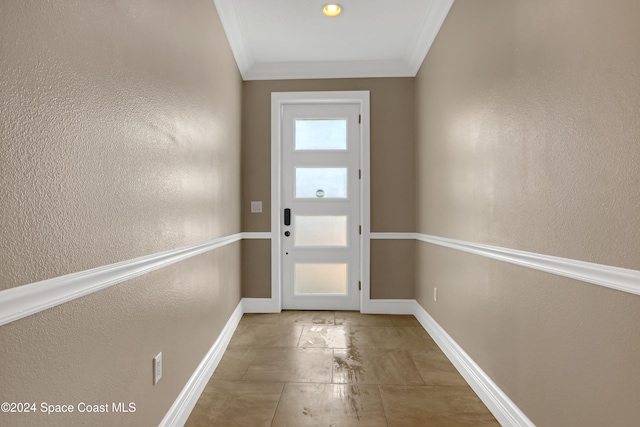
(327, 70)
(433, 18)
(230, 13)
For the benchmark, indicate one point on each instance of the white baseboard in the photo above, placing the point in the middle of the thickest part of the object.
(388, 306)
(188, 397)
(260, 305)
(381, 306)
(503, 408)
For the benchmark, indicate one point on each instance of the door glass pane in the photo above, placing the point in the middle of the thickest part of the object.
(317, 230)
(320, 279)
(321, 134)
(317, 183)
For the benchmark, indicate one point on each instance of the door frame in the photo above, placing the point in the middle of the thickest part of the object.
(278, 101)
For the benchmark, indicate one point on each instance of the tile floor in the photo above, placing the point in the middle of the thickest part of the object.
(325, 368)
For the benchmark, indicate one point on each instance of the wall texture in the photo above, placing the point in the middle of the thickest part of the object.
(120, 137)
(392, 174)
(527, 130)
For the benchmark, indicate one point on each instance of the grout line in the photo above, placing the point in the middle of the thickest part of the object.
(413, 362)
(300, 337)
(245, 370)
(384, 410)
(332, 378)
(333, 357)
(275, 411)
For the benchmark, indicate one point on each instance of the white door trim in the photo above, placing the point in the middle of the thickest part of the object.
(278, 100)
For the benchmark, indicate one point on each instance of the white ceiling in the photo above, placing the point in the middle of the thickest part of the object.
(292, 39)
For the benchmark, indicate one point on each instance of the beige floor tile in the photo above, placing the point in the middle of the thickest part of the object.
(417, 406)
(324, 336)
(260, 318)
(355, 318)
(300, 317)
(236, 404)
(330, 368)
(369, 366)
(435, 368)
(405, 320)
(390, 338)
(266, 335)
(234, 363)
(338, 405)
(291, 364)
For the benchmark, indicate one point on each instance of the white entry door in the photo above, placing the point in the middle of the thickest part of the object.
(321, 206)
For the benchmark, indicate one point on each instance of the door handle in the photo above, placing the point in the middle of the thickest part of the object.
(287, 217)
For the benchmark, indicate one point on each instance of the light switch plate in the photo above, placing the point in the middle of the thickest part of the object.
(256, 207)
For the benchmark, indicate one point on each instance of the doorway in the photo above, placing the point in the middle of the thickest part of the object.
(318, 246)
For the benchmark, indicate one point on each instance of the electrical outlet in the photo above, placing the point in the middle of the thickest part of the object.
(435, 294)
(157, 368)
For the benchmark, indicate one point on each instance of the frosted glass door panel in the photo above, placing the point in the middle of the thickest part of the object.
(318, 246)
(320, 279)
(317, 230)
(321, 134)
(318, 183)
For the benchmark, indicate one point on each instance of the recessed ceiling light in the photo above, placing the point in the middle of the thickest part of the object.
(332, 9)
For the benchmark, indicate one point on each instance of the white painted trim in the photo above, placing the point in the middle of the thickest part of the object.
(365, 201)
(260, 305)
(429, 27)
(277, 103)
(232, 25)
(278, 100)
(503, 408)
(23, 301)
(389, 306)
(230, 13)
(393, 236)
(621, 279)
(327, 70)
(256, 235)
(188, 397)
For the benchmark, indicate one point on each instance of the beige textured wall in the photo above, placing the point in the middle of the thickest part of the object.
(527, 129)
(392, 169)
(120, 137)
(393, 267)
(256, 268)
